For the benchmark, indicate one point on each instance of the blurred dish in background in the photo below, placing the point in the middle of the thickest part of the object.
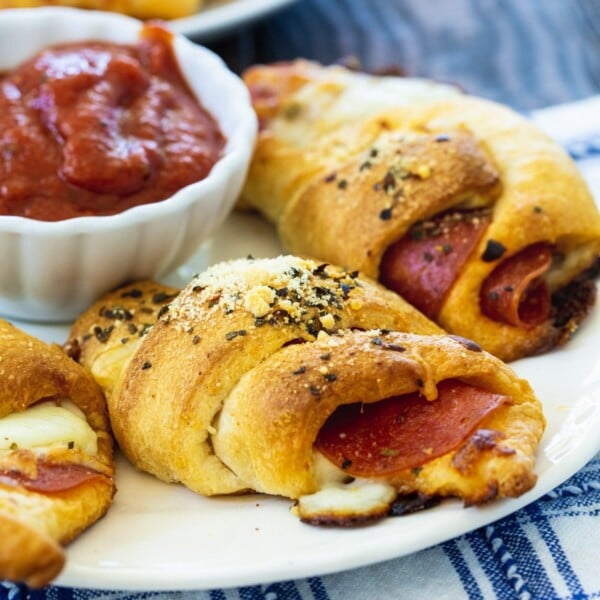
(219, 17)
(142, 9)
(202, 19)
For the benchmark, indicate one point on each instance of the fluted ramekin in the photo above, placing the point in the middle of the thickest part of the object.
(51, 271)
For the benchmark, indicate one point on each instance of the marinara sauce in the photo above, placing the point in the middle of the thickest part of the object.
(96, 128)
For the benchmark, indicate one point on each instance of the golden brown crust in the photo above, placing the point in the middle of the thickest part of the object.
(32, 371)
(320, 172)
(38, 525)
(106, 335)
(43, 557)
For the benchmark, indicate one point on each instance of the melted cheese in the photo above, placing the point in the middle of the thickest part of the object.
(45, 425)
(326, 473)
(341, 501)
(353, 501)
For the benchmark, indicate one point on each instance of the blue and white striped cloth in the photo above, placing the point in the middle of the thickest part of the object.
(547, 550)
(527, 54)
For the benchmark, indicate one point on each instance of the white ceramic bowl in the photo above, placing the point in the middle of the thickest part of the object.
(51, 271)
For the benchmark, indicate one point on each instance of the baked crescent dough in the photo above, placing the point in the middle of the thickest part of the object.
(374, 173)
(142, 9)
(108, 333)
(56, 467)
(228, 390)
(267, 428)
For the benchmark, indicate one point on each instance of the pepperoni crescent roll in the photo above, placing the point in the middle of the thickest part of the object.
(290, 377)
(458, 204)
(56, 468)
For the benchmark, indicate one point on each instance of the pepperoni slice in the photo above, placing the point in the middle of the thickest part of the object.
(51, 478)
(423, 265)
(403, 432)
(515, 293)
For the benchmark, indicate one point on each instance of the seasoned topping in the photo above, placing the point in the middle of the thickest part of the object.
(116, 312)
(385, 214)
(394, 347)
(441, 226)
(468, 344)
(144, 329)
(493, 251)
(230, 335)
(314, 390)
(103, 335)
(259, 299)
(273, 291)
(162, 297)
(416, 169)
(328, 321)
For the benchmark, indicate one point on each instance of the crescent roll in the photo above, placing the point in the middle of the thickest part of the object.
(56, 467)
(108, 333)
(250, 378)
(458, 204)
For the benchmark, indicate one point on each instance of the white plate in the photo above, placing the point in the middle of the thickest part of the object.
(221, 16)
(163, 537)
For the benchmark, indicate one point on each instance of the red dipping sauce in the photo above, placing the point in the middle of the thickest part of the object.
(95, 128)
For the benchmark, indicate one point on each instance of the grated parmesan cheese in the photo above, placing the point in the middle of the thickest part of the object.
(285, 289)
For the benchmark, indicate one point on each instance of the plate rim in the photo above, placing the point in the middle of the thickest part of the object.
(212, 21)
